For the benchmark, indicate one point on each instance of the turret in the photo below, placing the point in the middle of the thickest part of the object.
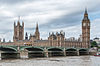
(49, 33)
(3, 39)
(18, 23)
(37, 34)
(14, 24)
(18, 31)
(23, 24)
(26, 36)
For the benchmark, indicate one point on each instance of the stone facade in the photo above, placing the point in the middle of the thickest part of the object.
(54, 40)
(86, 29)
(18, 31)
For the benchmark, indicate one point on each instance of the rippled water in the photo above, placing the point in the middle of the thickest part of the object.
(56, 61)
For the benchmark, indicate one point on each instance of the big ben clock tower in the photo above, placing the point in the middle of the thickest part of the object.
(86, 30)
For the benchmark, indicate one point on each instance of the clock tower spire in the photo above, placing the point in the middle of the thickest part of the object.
(86, 30)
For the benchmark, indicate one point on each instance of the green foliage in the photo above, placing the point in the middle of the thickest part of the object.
(94, 44)
(98, 47)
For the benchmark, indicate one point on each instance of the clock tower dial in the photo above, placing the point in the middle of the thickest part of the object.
(84, 24)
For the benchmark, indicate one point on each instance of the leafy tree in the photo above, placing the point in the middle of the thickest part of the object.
(94, 44)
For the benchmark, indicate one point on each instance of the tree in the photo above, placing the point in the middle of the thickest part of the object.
(94, 44)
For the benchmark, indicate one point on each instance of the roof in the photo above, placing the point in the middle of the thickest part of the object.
(41, 41)
(96, 38)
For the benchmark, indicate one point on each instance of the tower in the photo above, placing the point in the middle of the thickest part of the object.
(18, 31)
(26, 36)
(3, 39)
(37, 34)
(86, 30)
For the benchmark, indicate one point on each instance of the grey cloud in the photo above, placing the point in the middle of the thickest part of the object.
(14, 1)
(64, 21)
(74, 17)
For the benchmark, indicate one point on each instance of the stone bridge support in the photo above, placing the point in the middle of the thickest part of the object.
(88, 52)
(0, 55)
(64, 51)
(23, 54)
(78, 52)
(46, 52)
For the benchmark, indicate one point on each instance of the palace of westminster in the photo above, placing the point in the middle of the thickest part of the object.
(54, 40)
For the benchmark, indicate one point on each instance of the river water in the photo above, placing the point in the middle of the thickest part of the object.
(55, 61)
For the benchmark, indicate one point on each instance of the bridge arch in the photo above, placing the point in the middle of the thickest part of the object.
(83, 51)
(26, 47)
(8, 48)
(34, 51)
(55, 48)
(55, 51)
(71, 51)
(8, 52)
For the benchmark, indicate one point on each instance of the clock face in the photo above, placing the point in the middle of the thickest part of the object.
(84, 24)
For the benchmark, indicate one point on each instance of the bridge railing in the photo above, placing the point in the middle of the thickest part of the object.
(8, 52)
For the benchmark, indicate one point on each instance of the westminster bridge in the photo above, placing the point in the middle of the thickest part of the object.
(12, 51)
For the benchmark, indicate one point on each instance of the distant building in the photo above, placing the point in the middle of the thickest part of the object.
(55, 39)
(97, 40)
(80, 38)
(71, 39)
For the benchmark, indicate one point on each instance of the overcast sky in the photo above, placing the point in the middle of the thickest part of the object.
(51, 15)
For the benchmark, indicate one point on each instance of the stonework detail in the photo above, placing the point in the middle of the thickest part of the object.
(18, 31)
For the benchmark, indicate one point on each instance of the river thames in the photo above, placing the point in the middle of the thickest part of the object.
(54, 61)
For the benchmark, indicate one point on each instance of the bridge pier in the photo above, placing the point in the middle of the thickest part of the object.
(24, 54)
(46, 52)
(64, 52)
(0, 55)
(78, 53)
(88, 52)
